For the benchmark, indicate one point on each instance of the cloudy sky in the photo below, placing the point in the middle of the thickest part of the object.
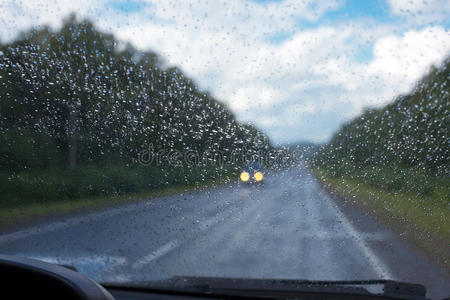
(296, 69)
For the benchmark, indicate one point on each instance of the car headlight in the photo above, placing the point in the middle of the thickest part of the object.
(258, 176)
(244, 176)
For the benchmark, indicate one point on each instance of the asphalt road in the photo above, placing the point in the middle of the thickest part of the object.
(289, 227)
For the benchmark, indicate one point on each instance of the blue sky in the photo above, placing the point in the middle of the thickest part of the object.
(128, 7)
(296, 69)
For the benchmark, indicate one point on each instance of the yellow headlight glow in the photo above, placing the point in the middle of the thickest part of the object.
(244, 176)
(258, 176)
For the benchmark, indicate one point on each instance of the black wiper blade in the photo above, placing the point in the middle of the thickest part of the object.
(287, 288)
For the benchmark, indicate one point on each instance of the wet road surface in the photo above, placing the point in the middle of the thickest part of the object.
(288, 227)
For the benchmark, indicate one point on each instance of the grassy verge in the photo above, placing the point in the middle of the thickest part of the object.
(423, 222)
(20, 209)
(33, 212)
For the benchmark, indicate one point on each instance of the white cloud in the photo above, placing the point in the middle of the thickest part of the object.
(421, 11)
(19, 16)
(419, 7)
(404, 59)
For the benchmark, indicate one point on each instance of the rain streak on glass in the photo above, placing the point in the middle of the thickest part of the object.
(142, 140)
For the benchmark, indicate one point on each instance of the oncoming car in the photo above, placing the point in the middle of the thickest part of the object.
(252, 173)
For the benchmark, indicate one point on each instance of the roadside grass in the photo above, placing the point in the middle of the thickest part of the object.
(33, 212)
(424, 221)
(30, 210)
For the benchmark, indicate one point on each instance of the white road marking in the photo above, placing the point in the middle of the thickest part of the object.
(72, 221)
(166, 248)
(91, 260)
(379, 267)
(117, 278)
(326, 235)
(94, 266)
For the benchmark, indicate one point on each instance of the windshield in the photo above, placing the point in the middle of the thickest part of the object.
(141, 140)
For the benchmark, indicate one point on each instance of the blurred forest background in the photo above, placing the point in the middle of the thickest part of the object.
(401, 147)
(395, 162)
(77, 108)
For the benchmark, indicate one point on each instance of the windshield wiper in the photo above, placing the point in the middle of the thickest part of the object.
(285, 288)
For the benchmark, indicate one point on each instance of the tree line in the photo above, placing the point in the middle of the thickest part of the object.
(76, 99)
(402, 146)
